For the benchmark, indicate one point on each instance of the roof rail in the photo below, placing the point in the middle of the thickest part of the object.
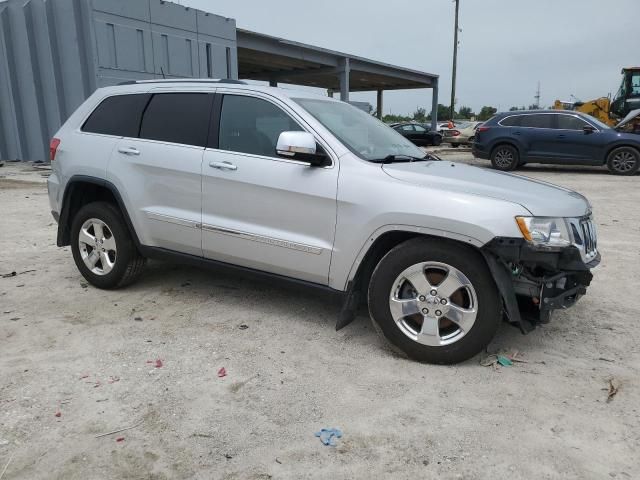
(184, 80)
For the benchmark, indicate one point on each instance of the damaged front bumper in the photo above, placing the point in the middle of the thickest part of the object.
(534, 282)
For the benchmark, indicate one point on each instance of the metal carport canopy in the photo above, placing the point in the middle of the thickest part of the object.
(276, 60)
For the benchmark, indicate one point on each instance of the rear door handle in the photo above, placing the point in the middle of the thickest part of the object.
(223, 165)
(562, 136)
(129, 151)
(517, 133)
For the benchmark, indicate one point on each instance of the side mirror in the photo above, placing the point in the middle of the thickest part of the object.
(301, 146)
(588, 129)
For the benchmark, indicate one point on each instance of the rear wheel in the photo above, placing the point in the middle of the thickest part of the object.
(455, 145)
(435, 301)
(102, 247)
(505, 158)
(623, 161)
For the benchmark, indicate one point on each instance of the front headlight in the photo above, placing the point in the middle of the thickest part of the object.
(545, 231)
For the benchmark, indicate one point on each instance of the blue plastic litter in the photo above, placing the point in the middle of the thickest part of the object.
(328, 435)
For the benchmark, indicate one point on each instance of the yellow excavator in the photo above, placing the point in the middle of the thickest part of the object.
(626, 100)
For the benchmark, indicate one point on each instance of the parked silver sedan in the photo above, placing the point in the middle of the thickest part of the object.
(462, 134)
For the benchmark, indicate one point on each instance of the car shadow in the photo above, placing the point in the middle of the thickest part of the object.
(281, 300)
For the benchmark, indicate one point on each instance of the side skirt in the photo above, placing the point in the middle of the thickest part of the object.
(157, 253)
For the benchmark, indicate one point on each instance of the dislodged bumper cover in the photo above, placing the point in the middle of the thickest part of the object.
(562, 280)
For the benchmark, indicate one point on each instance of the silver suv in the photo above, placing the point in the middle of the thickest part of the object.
(307, 188)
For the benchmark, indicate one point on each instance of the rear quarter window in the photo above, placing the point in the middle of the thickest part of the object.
(119, 115)
(511, 121)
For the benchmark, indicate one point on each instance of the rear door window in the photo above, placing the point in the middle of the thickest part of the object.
(119, 115)
(537, 120)
(252, 125)
(178, 118)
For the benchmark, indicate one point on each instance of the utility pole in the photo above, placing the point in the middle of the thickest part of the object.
(537, 96)
(455, 61)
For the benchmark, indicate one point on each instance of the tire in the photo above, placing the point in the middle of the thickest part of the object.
(119, 263)
(440, 263)
(505, 157)
(623, 161)
(436, 142)
(471, 140)
(455, 145)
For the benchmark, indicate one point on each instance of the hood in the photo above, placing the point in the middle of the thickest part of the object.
(632, 114)
(540, 198)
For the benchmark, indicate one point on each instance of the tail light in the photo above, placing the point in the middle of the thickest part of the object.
(482, 129)
(53, 148)
(455, 133)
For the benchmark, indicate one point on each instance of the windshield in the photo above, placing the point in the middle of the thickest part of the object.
(361, 133)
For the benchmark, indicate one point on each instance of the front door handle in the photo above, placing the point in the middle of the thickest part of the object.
(129, 151)
(517, 133)
(223, 165)
(562, 136)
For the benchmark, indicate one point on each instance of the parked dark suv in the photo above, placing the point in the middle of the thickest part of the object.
(512, 139)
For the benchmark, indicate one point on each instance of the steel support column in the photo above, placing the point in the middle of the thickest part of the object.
(344, 79)
(434, 106)
(379, 105)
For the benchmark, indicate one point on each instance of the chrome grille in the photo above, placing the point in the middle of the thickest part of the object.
(589, 236)
(585, 237)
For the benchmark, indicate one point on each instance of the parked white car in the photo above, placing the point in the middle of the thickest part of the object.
(462, 134)
(310, 189)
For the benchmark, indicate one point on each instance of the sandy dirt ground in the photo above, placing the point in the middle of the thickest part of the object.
(77, 362)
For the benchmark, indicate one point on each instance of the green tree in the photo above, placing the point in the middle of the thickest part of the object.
(420, 115)
(466, 112)
(513, 109)
(443, 112)
(486, 113)
(390, 118)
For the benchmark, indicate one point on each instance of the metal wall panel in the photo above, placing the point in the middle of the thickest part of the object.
(55, 53)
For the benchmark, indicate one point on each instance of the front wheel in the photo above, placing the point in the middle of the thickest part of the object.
(505, 158)
(623, 161)
(434, 300)
(102, 247)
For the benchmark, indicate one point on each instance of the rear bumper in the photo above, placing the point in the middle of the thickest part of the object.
(457, 140)
(533, 283)
(480, 151)
(53, 192)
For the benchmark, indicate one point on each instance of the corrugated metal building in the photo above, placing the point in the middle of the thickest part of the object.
(55, 53)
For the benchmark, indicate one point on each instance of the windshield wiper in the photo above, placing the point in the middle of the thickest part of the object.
(404, 159)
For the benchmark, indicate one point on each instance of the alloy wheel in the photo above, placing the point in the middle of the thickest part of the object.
(504, 158)
(433, 303)
(623, 161)
(98, 247)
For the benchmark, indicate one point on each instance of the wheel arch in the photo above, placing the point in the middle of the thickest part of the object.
(613, 147)
(81, 190)
(508, 142)
(377, 246)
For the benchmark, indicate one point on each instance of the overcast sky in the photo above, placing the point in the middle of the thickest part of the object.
(506, 46)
